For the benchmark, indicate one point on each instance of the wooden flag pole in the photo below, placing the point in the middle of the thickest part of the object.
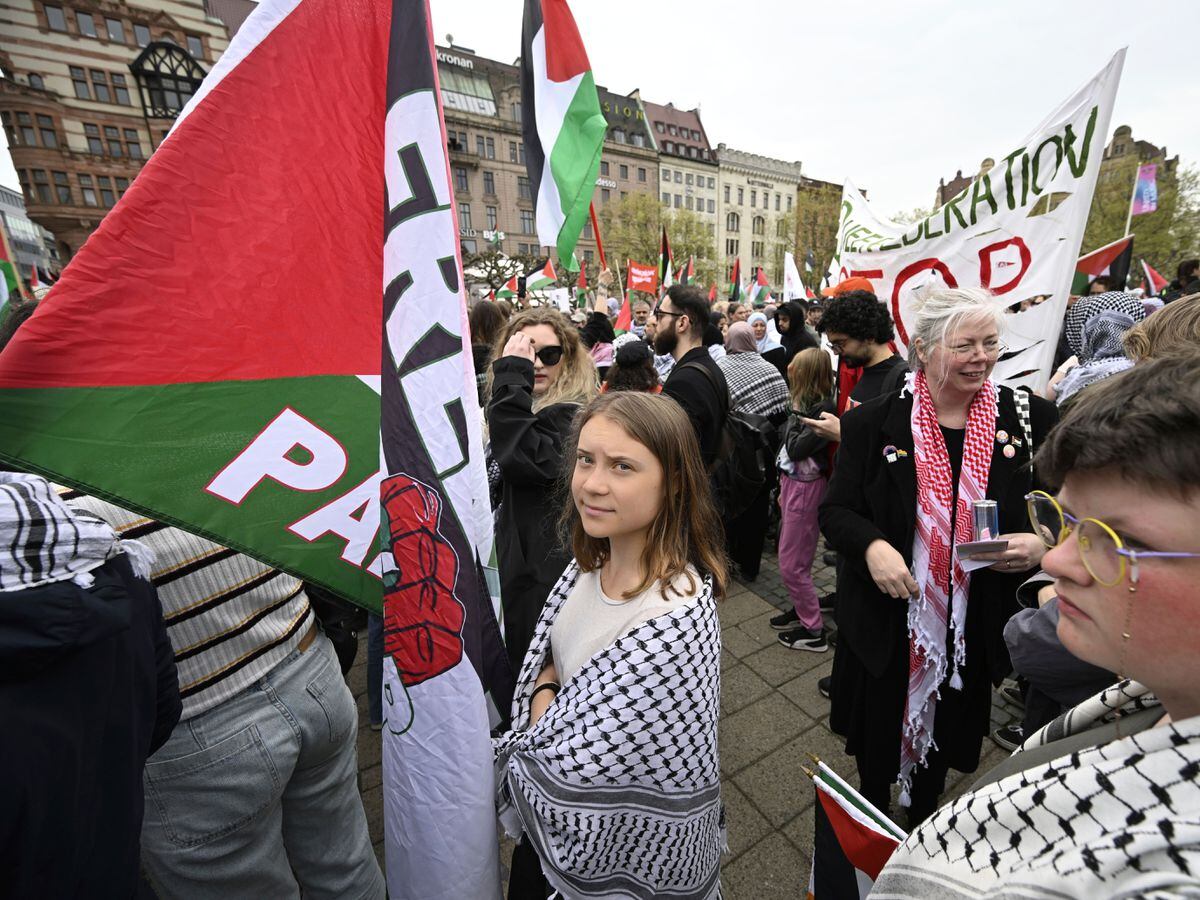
(596, 231)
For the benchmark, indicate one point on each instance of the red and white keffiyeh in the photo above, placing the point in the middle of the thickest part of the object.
(940, 577)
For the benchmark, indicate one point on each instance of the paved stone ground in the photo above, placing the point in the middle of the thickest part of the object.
(771, 717)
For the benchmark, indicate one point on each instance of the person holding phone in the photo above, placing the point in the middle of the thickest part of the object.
(920, 637)
(541, 376)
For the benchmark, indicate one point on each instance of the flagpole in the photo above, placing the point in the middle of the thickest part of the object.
(1132, 198)
(596, 232)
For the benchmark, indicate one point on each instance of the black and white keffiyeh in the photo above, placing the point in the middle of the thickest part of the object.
(42, 540)
(1121, 819)
(618, 784)
(755, 386)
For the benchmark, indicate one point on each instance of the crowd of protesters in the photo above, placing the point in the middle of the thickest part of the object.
(228, 750)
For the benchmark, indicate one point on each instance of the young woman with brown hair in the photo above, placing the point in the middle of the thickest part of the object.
(611, 770)
(541, 376)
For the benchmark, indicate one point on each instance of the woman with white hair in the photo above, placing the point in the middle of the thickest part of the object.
(920, 630)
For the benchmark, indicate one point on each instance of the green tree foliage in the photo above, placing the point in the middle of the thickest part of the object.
(816, 220)
(631, 228)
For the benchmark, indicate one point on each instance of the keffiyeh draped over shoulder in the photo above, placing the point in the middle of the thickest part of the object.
(1121, 819)
(618, 784)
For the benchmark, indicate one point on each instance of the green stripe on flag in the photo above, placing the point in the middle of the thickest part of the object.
(575, 161)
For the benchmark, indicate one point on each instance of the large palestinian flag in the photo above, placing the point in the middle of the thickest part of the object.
(212, 359)
(561, 119)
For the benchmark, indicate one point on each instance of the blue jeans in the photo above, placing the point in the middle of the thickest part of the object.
(258, 797)
(375, 668)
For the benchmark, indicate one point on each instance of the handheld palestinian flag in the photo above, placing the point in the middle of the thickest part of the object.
(337, 439)
(540, 278)
(759, 288)
(10, 284)
(1154, 282)
(509, 289)
(665, 261)
(735, 282)
(688, 272)
(712, 293)
(852, 840)
(562, 123)
(1112, 260)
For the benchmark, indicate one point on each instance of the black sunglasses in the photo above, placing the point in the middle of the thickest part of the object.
(550, 356)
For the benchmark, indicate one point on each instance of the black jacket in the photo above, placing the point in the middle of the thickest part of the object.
(801, 442)
(87, 692)
(699, 398)
(796, 338)
(597, 330)
(870, 498)
(528, 447)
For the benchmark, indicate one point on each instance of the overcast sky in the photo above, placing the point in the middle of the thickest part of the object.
(892, 95)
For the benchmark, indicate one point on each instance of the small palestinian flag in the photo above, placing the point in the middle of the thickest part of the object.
(852, 840)
(688, 272)
(735, 282)
(10, 284)
(665, 262)
(540, 278)
(1154, 282)
(509, 289)
(759, 289)
(562, 123)
(1112, 260)
(712, 293)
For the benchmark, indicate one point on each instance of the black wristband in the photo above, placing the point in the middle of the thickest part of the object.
(549, 685)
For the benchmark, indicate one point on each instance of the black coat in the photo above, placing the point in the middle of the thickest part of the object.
(528, 447)
(88, 691)
(699, 398)
(870, 498)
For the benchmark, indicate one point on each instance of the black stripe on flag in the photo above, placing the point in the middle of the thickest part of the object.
(535, 155)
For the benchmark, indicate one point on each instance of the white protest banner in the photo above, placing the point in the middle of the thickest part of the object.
(1015, 230)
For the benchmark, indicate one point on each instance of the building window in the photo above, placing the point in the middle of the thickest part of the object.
(741, 196)
(92, 133)
(521, 154)
(759, 225)
(122, 186)
(120, 89)
(527, 221)
(678, 177)
(141, 34)
(112, 139)
(727, 194)
(624, 194)
(132, 145)
(712, 183)
(100, 86)
(464, 215)
(587, 256)
(55, 18)
(673, 130)
(107, 198)
(46, 131)
(41, 186)
(753, 199)
(619, 135)
(733, 222)
(516, 112)
(491, 148)
(712, 206)
(731, 247)
(666, 198)
(781, 228)
(637, 139)
(641, 175)
(62, 186)
(678, 201)
(479, 145)
(666, 174)
(25, 126)
(168, 78)
(195, 46)
(668, 146)
(89, 191)
(470, 247)
(512, 151)
(87, 25)
(778, 200)
(658, 126)
(789, 203)
(35, 81)
(690, 179)
(603, 167)
(460, 179)
(523, 249)
(116, 31)
(756, 249)
(523, 191)
(624, 170)
(79, 79)
(587, 230)
(689, 202)
(605, 194)
(491, 218)
(489, 183)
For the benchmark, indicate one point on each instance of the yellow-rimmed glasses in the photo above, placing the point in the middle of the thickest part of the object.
(1101, 550)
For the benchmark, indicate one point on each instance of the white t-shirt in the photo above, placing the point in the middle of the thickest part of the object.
(589, 621)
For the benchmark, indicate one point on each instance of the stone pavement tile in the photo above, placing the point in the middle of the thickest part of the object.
(370, 779)
(778, 665)
(746, 605)
(758, 633)
(800, 832)
(727, 659)
(740, 687)
(738, 642)
(753, 732)
(777, 785)
(770, 870)
(802, 690)
(745, 825)
(830, 749)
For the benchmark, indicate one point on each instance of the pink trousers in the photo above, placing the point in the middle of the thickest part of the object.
(798, 533)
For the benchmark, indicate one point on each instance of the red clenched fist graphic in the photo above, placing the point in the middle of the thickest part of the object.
(422, 619)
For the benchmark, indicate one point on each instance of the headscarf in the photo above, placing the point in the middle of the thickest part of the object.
(1101, 355)
(1089, 307)
(740, 338)
(767, 343)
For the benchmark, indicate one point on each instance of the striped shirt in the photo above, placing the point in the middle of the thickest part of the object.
(230, 619)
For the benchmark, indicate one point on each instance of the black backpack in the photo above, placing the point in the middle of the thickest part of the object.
(745, 453)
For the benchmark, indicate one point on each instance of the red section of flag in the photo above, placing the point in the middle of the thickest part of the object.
(565, 56)
(1098, 261)
(712, 293)
(625, 317)
(642, 278)
(211, 249)
(867, 850)
(581, 281)
(1154, 282)
(762, 278)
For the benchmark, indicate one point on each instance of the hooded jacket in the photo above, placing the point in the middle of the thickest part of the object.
(796, 338)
